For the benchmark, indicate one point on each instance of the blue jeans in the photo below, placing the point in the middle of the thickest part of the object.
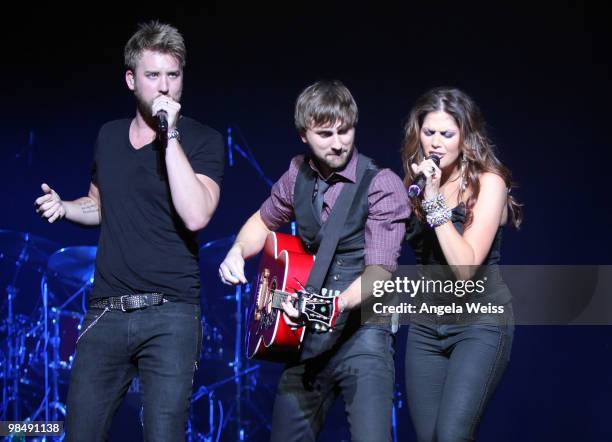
(361, 369)
(452, 371)
(160, 344)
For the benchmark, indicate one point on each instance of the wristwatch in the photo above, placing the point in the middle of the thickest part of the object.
(174, 134)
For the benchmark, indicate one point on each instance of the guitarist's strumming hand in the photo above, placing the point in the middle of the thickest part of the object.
(231, 270)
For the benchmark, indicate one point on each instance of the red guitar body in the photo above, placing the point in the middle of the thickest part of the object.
(284, 266)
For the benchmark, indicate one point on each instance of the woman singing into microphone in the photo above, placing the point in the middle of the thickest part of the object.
(455, 362)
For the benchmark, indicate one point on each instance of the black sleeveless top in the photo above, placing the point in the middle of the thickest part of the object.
(424, 242)
(426, 246)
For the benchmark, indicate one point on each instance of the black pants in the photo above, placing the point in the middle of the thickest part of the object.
(452, 371)
(160, 344)
(362, 371)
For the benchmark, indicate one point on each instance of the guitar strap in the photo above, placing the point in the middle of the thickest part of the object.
(331, 230)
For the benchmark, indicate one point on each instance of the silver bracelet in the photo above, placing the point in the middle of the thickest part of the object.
(436, 203)
(437, 212)
(438, 218)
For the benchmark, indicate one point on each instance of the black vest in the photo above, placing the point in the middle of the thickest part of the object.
(348, 261)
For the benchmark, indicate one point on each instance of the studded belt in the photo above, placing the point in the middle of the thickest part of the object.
(127, 303)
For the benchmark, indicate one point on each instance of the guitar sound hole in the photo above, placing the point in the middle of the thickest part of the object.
(269, 295)
(268, 313)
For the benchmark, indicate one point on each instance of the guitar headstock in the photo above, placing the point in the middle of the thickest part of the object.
(319, 309)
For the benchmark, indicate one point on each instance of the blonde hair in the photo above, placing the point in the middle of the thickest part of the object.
(154, 36)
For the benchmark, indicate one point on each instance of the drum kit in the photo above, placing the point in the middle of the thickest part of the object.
(41, 314)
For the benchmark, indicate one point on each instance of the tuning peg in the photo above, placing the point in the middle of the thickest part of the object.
(323, 291)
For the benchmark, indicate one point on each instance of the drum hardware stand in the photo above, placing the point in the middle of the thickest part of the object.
(241, 368)
(210, 392)
(10, 390)
(244, 380)
(56, 405)
(237, 363)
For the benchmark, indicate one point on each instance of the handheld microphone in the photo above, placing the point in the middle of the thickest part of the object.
(418, 185)
(162, 121)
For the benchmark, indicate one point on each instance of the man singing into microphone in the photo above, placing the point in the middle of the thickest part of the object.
(151, 191)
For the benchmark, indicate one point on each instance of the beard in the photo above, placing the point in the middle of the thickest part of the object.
(144, 105)
(335, 162)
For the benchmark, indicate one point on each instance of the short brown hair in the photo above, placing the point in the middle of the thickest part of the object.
(154, 36)
(325, 102)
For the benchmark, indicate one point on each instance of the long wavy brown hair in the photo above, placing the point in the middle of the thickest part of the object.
(476, 156)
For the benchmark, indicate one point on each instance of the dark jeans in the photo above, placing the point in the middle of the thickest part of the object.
(362, 370)
(452, 371)
(160, 344)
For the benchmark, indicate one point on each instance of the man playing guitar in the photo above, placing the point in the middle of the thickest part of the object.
(354, 359)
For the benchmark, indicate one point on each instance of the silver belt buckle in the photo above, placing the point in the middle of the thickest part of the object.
(121, 301)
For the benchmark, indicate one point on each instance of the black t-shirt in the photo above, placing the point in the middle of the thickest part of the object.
(144, 245)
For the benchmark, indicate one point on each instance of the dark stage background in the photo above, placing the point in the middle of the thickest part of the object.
(540, 74)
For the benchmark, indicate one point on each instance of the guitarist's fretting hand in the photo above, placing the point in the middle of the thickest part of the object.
(291, 315)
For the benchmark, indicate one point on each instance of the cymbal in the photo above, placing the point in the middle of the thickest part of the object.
(73, 265)
(214, 251)
(22, 247)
